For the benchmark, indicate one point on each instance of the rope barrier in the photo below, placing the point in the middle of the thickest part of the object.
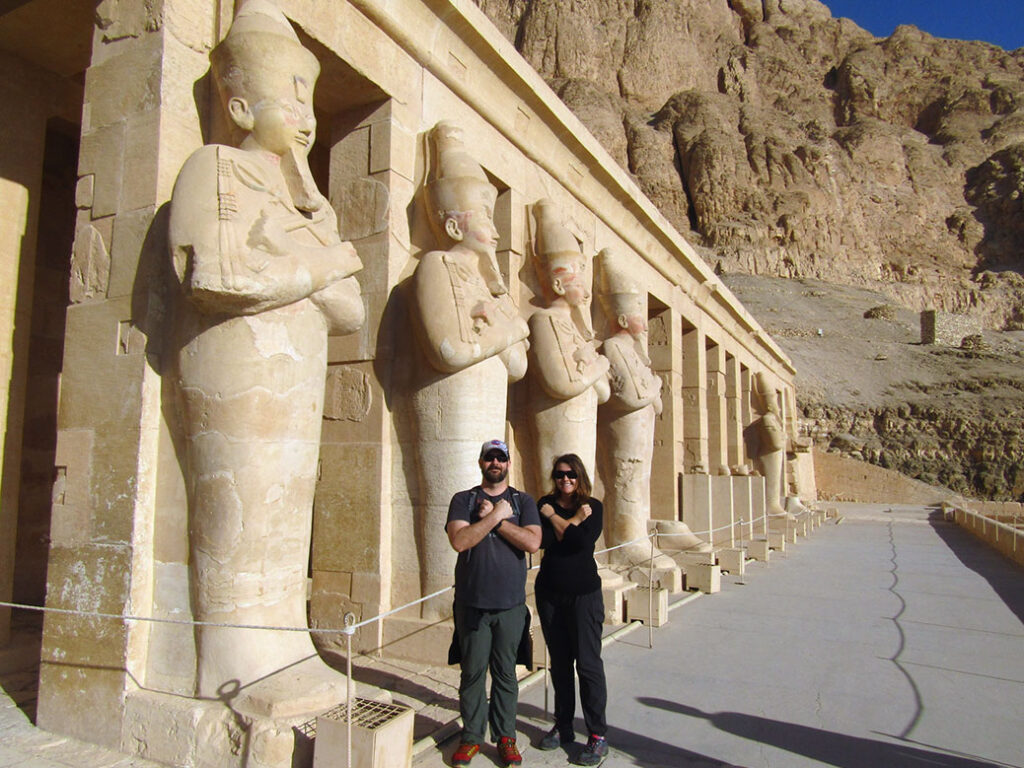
(346, 630)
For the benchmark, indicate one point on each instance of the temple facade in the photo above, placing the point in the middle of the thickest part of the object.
(413, 274)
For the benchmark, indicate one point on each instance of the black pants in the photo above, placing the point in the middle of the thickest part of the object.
(572, 631)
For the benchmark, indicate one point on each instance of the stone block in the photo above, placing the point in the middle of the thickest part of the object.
(381, 735)
(418, 639)
(705, 578)
(687, 559)
(102, 155)
(614, 589)
(722, 520)
(648, 606)
(697, 504)
(733, 560)
(758, 549)
(777, 540)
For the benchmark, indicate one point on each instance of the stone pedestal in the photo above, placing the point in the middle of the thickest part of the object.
(649, 608)
(705, 578)
(425, 640)
(614, 590)
(697, 504)
(743, 507)
(758, 549)
(733, 560)
(178, 731)
(722, 519)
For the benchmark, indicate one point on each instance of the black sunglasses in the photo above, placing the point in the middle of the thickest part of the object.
(558, 474)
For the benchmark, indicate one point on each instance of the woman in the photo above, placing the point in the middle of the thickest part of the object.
(570, 606)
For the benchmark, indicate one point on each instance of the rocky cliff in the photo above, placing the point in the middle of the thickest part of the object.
(786, 143)
(794, 144)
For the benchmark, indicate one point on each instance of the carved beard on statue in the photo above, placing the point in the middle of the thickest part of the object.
(299, 180)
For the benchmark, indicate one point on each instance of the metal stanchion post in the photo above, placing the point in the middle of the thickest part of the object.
(350, 620)
(650, 597)
(546, 666)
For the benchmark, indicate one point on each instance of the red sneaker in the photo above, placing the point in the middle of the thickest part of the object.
(465, 753)
(508, 752)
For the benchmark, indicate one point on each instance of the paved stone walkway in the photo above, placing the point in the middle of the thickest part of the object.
(892, 639)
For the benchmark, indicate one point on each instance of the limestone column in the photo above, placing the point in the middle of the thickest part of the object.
(139, 123)
(695, 400)
(352, 555)
(718, 444)
(734, 414)
(666, 352)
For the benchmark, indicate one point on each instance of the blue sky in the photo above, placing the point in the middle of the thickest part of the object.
(994, 21)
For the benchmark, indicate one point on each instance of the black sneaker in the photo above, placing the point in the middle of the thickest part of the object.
(553, 739)
(595, 751)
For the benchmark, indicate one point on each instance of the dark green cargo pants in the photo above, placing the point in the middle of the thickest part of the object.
(489, 640)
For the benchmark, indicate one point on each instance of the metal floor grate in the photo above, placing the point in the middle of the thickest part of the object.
(366, 713)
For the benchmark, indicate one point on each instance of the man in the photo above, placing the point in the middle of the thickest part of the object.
(491, 527)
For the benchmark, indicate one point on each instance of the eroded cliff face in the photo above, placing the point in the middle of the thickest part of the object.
(794, 144)
(785, 143)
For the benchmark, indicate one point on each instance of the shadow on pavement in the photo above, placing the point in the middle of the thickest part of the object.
(827, 747)
(1002, 574)
(645, 752)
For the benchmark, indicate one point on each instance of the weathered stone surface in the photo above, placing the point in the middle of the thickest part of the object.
(798, 145)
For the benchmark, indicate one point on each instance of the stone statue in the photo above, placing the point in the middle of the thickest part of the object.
(265, 278)
(627, 424)
(474, 340)
(771, 448)
(569, 377)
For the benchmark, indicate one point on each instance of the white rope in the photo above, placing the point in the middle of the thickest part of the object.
(348, 630)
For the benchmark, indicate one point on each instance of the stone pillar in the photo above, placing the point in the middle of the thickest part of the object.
(22, 136)
(695, 400)
(734, 413)
(370, 187)
(140, 123)
(666, 353)
(718, 457)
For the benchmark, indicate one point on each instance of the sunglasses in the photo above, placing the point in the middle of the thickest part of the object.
(558, 474)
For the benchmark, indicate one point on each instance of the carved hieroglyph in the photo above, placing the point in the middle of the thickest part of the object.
(474, 340)
(264, 279)
(772, 443)
(568, 375)
(627, 437)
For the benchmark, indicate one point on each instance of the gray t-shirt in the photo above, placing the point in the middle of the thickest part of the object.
(492, 575)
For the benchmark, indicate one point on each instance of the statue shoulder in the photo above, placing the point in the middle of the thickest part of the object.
(211, 160)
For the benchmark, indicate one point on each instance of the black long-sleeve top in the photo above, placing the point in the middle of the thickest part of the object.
(568, 565)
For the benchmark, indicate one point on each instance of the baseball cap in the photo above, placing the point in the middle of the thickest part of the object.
(494, 445)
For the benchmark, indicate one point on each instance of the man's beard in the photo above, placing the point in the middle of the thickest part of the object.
(495, 474)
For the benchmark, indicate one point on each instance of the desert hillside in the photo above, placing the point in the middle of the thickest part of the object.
(789, 144)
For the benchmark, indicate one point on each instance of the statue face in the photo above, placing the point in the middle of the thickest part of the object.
(634, 324)
(473, 227)
(278, 125)
(478, 231)
(569, 280)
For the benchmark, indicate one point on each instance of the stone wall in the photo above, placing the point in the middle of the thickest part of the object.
(946, 328)
(1005, 538)
(840, 478)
